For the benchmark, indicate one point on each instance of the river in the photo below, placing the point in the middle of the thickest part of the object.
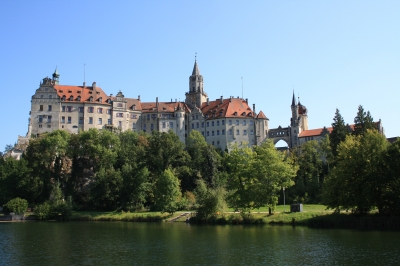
(127, 243)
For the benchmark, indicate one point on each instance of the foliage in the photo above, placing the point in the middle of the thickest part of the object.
(256, 176)
(16, 205)
(358, 182)
(43, 211)
(105, 189)
(363, 122)
(167, 192)
(339, 132)
(210, 201)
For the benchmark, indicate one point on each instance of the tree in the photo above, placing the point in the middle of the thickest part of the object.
(391, 191)
(8, 148)
(105, 189)
(17, 205)
(309, 178)
(357, 183)
(257, 176)
(363, 121)
(339, 132)
(167, 192)
(210, 201)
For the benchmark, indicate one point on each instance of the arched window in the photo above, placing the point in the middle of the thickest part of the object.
(71, 98)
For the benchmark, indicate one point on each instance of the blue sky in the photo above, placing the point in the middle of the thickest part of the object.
(335, 54)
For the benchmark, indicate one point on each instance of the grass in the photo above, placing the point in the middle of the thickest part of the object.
(119, 216)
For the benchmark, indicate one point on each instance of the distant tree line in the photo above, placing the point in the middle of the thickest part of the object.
(103, 170)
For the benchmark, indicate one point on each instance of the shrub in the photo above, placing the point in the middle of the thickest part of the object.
(16, 205)
(43, 211)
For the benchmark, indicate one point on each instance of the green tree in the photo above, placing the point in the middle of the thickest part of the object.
(135, 188)
(257, 176)
(339, 132)
(167, 193)
(357, 182)
(105, 189)
(363, 122)
(17, 205)
(210, 201)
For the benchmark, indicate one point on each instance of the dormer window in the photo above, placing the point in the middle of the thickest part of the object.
(91, 99)
(79, 98)
(250, 114)
(235, 113)
(119, 104)
(79, 91)
(134, 107)
(63, 98)
(100, 100)
(71, 98)
(70, 91)
(244, 113)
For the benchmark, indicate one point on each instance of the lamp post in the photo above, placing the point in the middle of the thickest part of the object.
(284, 203)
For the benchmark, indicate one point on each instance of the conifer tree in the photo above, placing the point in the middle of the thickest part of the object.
(339, 132)
(363, 121)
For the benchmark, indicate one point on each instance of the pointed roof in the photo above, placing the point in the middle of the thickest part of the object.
(293, 100)
(261, 115)
(196, 71)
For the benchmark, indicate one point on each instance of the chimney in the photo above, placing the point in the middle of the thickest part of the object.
(247, 100)
(84, 84)
(94, 85)
(171, 100)
(254, 108)
(138, 97)
(222, 99)
(156, 101)
(230, 99)
(208, 101)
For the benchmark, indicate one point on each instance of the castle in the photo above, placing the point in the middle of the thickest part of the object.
(222, 121)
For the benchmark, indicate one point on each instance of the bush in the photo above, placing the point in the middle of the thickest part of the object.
(43, 211)
(16, 205)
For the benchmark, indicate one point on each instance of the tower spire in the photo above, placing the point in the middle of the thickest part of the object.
(196, 71)
(293, 100)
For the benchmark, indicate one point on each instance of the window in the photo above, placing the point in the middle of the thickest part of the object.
(223, 132)
(40, 119)
(217, 132)
(120, 124)
(90, 120)
(202, 133)
(245, 132)
(120, 115)
(63, 98)
(213, 143)
(212, 123)
(49, 119)
(295, 131)
(100, 100)
(109, 111)
(81, 109)
(100, 122)
(71, 98)
(40, 126)
(244, 122)
(171, 124)
(230, 122)
(133, 116)
(133, 125)
(69, 120)
(148, 116)
(50, 108)
(63, 109)
(230, 131)
(223, 122)
(79, 98)
(237, 122)
(252, 132)
(197, 116)
(163, 125)
(237, 132)
(217, 123)
(217, 142)
(152, 127)
(208, 133)
(48, 126)
(41, 96)
(90, 109)
(192, 125)
(100, 110)
(119, 105)
(208, 124)
(251, 122)
(63, 119)
(109, 121)
(212, 133)
(144, 127)
(197, 125)
(81, 120)
(91, 99)
(69, 108)
(50, 96)
(202, 124)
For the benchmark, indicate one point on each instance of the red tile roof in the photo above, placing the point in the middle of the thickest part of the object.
(227, 108)
(167, 107)
(83, 92)
(261, 115)
(318, 131)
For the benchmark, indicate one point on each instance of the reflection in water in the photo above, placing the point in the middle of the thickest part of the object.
(123, 243)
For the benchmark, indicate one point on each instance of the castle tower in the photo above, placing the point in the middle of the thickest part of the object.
(56, 77)
(196, 95)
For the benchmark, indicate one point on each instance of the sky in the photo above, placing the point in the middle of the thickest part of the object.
(333, 54)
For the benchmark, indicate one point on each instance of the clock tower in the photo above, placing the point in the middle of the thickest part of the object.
(196, 95)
